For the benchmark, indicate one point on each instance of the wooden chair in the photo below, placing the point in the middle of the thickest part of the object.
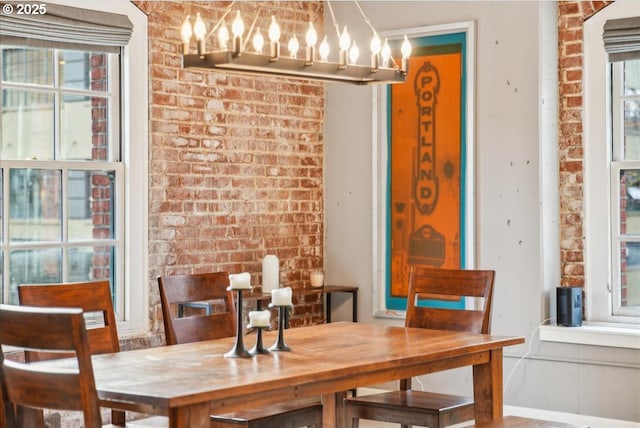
(180, 289)
(520, 422)
(94, 298)
(28, 390)
(411, 407)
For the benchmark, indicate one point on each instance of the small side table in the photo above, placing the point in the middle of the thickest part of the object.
(327, 291)
(260, 297)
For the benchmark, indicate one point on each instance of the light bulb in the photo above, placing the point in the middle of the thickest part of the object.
(406, 52)
(186, 31)
(293, 46)
(237, 27)
(376, 44)
(405, 48)
(385, 53)
(354, 53)
(345, 40)
(199, 29)
(311, 38)
(223, 36)
(258, 41)
(274, 30)
(324, 49)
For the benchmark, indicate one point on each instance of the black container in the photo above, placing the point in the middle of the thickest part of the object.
(569, 306)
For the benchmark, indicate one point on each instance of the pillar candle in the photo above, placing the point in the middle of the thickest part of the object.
(260, 318)
(270, 273)
(240, 281)
(317, 278)
(281, 297)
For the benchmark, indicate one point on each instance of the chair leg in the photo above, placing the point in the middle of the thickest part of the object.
(118, 418)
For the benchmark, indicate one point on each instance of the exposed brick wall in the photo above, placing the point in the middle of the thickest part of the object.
(571, 17)
(235, 162)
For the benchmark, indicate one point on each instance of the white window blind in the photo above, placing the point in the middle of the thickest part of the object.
(75, 28)
(622, 38)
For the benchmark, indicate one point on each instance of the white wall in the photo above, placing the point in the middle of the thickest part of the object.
(516, 200)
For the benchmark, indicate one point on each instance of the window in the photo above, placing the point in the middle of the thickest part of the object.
(72, 184)
(625, 187)
(612, 166)
(61, 167)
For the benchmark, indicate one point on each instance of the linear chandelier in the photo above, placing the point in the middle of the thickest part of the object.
(231, 53)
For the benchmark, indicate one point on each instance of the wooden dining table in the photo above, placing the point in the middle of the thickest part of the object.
(188, 382)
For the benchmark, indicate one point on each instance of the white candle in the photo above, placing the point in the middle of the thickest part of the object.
(281, 296)
(317, 278)
(270, 273)
(259, 318)
(240, 281)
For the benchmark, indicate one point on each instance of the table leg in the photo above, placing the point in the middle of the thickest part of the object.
(196, 415)
(354, 301)
(328, 307)
(333, 413)
(487, 387)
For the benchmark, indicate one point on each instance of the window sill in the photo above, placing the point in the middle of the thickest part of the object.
(597, 334)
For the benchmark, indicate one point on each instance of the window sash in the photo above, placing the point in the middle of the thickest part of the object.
(617, 165)
(617, 238)
(64, 243)
(113, 162)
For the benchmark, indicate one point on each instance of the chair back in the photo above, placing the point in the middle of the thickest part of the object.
(93, 298)
(178, 289)
(51, 330)
(449, 284)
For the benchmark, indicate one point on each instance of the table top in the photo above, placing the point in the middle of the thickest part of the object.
(325, 358)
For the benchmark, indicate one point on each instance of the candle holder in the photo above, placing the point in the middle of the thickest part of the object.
(280, 345)
(238, 350)
(258, 347)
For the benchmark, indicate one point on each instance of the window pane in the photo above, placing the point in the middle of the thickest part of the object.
(27, 125)
(27, 65)
(91, 205)
(1, 221)
(34, 205)
(630, 281)
(2, 289)
(631, 106)
(632, 77)
(33, 266)
(83, 70)
(632, 129)
(84, 126)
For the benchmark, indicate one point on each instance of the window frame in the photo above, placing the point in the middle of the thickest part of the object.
(134, 157)
(600, 187)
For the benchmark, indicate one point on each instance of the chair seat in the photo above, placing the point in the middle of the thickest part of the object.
(520, 422)
(282, 415)
(421, 404)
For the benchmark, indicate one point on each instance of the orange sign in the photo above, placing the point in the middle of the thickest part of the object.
(426, 165)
